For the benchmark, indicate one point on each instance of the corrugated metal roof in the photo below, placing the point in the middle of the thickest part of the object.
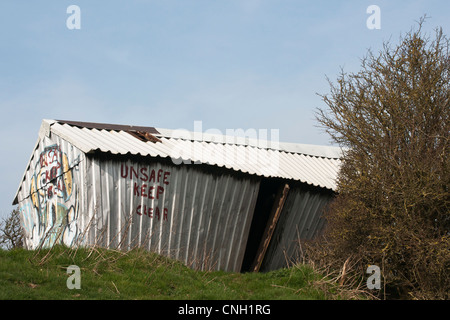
(315, 165)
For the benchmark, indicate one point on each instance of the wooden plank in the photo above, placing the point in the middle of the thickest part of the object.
(271, 224)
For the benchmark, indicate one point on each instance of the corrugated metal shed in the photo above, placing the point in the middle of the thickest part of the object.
(192, 196)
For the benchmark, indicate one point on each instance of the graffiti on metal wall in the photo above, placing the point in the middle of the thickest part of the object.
(53, 215)
(149, 185)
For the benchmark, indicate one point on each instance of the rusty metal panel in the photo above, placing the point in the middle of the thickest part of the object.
(301, 219)
(107, 126)
(201, 218)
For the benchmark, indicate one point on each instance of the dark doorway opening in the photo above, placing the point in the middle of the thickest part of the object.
(270, 191)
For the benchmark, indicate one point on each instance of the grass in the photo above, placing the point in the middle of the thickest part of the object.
(137, 274)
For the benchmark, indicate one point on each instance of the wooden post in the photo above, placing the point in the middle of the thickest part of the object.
(270, 227)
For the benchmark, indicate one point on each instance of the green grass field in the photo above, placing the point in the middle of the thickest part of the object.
(137, 274)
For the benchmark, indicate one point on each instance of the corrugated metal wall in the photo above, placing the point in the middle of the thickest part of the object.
(201, 218)
(300, 219)
(49, 195)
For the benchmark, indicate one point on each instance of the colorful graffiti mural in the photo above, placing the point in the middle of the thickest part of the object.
(52, 218)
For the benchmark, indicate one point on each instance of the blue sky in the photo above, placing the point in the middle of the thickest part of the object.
(165, 63)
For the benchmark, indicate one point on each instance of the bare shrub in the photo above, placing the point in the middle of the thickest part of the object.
(11, 233)
(392, 207)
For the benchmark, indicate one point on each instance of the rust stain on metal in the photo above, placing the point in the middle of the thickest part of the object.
(144, 136)
(107, 126)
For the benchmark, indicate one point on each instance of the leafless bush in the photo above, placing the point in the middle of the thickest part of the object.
(11, 233)
(393, 203)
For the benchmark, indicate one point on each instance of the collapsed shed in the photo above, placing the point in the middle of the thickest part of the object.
(212, 201)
